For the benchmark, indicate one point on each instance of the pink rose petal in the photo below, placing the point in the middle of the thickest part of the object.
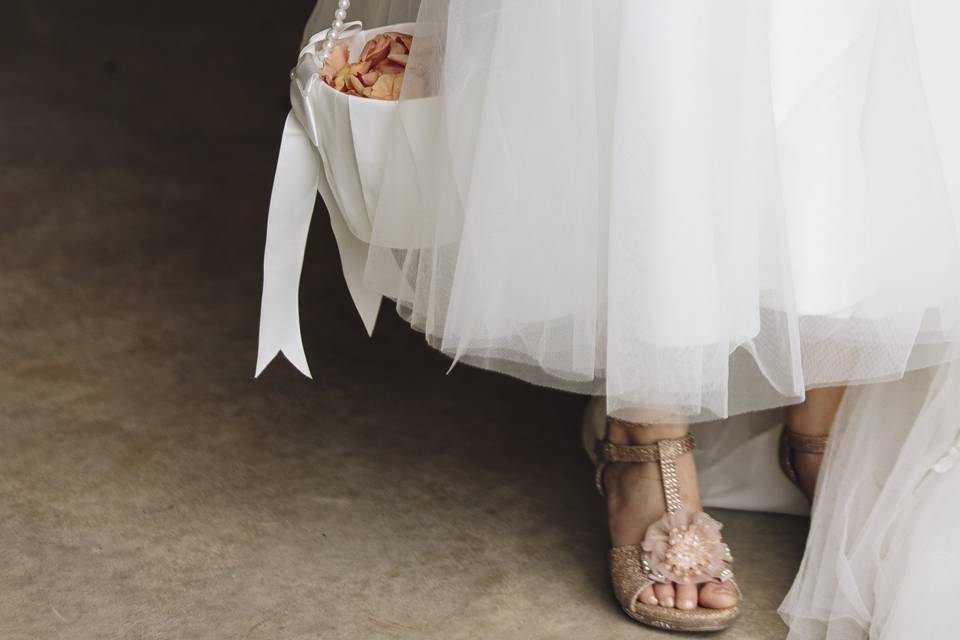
(335, 62)
(383, 87)
(376, 49)
(378, 74)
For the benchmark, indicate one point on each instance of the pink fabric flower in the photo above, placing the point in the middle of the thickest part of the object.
(685, 548)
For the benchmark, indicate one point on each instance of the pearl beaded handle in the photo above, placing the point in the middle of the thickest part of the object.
(335, 30)
(314, 55)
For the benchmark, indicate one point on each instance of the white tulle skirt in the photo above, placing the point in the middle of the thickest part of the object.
(686, 206)
(707, 207)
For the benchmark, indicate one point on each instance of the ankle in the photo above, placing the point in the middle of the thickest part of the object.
(635, 433)
(815, 416)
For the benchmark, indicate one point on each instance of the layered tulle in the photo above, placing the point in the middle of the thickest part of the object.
(693, 207)
(882, 559)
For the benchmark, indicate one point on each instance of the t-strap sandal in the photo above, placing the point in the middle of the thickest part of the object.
(680, 547)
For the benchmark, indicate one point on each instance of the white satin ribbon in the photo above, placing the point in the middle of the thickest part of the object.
(298, 178)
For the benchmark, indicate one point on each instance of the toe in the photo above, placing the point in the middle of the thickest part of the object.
(718, 595)
(648, 597)
(665, 594)
(687, 596)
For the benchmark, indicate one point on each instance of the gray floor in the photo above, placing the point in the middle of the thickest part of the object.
(149, 487)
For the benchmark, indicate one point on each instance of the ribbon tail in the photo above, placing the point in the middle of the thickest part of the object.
(353, 260)
(288, 223)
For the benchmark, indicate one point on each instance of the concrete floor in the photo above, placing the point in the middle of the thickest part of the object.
(149, 487)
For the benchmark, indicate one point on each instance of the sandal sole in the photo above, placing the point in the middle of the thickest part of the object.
(691, 621)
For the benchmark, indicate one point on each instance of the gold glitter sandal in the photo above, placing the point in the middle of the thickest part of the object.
(680, 547)
(792, 442)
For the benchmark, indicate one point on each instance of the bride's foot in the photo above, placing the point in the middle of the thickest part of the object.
(635, 500)
(810, 424)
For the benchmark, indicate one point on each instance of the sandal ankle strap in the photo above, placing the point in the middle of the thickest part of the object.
(663, 451)
(803, 443)
(610, 452)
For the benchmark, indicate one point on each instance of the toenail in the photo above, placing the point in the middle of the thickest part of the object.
(651, 600)
(668, 602)
(686, 604)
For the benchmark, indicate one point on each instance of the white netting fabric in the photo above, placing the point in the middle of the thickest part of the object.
(731, 203)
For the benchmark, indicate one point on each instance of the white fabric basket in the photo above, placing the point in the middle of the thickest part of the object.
(336, 144)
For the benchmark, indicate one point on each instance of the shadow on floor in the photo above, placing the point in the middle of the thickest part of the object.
(149, 487)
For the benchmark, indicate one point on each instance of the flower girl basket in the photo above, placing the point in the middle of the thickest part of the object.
(334, 144)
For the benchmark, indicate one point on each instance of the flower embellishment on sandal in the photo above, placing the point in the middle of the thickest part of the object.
(686, 549)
